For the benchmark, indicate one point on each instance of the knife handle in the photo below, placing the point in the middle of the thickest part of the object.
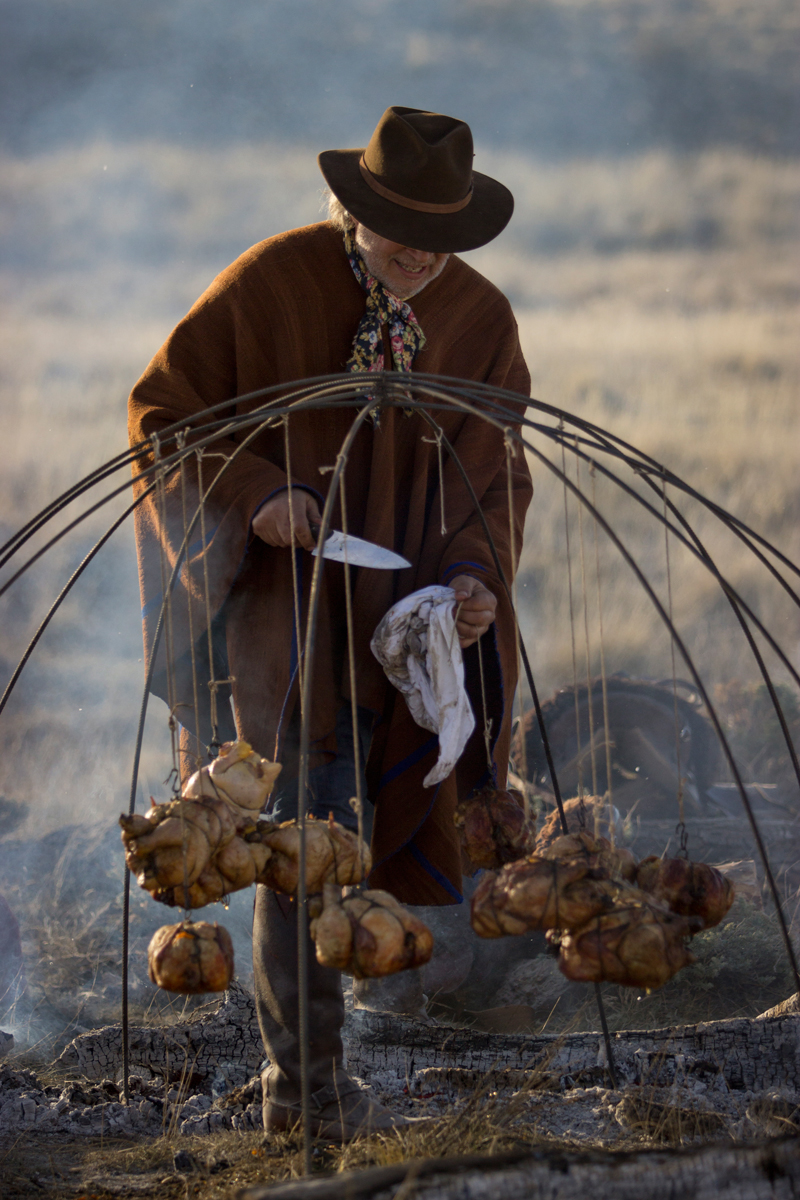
(315, 528)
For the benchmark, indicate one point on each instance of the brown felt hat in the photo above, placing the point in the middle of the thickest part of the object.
(414, 184)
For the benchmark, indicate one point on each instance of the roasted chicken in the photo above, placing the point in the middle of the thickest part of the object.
(597, 854)
(369, 934)
(191, 958)
(688, 888)
(494, 829)
(209, 842)
(333, 855)
(538, 893)
(581, 889)
(580, 817)
(638, 944)
(192, 850)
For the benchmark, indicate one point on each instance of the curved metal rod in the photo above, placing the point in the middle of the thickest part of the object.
(696, 549)
(699, 683)
(729, 520)
(647, 462)
(536, 703)
(137, 754)
(140, 450)
(302, 780)
(247, 419)
(735, 600)
(168, 461)
(604, 440)
(737, 603)
(73, 579)
(484, 390)
(617, 541)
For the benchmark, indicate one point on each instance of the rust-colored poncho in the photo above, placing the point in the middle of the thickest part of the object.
(285, 311)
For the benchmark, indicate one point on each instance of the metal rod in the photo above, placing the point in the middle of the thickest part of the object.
(302, 781)
(536, 704)
(467, 398)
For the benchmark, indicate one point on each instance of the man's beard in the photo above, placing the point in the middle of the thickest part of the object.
(377, 264)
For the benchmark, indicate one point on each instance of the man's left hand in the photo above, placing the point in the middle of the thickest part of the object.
(478, 606)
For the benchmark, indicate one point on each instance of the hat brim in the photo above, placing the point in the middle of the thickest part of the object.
(486, 215)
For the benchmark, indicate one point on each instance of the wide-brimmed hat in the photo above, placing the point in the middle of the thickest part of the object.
(414, 184)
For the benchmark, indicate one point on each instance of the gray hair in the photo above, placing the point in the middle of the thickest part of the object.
(337, 213)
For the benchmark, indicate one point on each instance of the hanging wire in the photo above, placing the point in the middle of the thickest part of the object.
(494, 405)
(487, 724)
(512, 550)
(680, 830)
(358, 799)
(298, 633)
(587, 647)
(713, 715)
(581, 806)
(537, 705)
(437, 439)
(302, 782)
(169, 636)
(214, 684)
(603, 679)
(138, 742)
(198, 757)
(691, 541)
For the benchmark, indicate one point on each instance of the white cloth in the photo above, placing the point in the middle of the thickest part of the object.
(417, 645)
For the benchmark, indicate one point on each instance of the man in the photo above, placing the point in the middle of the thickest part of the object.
(326, 298)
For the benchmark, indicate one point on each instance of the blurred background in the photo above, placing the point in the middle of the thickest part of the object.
(652, 146)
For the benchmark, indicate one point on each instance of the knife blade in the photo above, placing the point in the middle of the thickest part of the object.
(340, 547)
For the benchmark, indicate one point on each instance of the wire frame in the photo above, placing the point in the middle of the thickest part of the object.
(604, 454)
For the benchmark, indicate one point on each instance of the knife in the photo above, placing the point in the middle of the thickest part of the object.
(340, 547)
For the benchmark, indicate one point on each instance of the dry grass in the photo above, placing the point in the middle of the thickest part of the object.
(656, 295)
(209, 1168)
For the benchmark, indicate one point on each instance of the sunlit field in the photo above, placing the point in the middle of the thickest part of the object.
(656, 296)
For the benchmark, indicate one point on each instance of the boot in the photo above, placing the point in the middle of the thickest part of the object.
(340, 1110)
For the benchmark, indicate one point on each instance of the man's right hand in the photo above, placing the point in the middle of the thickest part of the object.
(272, 524)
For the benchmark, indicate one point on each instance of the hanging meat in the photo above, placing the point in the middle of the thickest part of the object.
(237, 775)
(494, 829)
(369, 934)
(638, 944)
(208, 843)
(197, 840)
(689, 888)
(191, 958)
(333, 855)
(580, 815)
(538, 893)
(597, 854)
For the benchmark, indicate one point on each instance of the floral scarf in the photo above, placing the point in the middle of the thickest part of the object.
(405, 335)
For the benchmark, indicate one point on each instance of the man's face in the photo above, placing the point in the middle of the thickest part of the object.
(404, 271)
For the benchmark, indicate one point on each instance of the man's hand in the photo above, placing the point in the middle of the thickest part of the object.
(477, 610)
(271, 522)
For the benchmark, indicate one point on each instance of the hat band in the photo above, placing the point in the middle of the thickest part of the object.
(417, 205)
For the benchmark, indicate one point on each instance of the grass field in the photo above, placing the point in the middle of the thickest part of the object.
(656, 295)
